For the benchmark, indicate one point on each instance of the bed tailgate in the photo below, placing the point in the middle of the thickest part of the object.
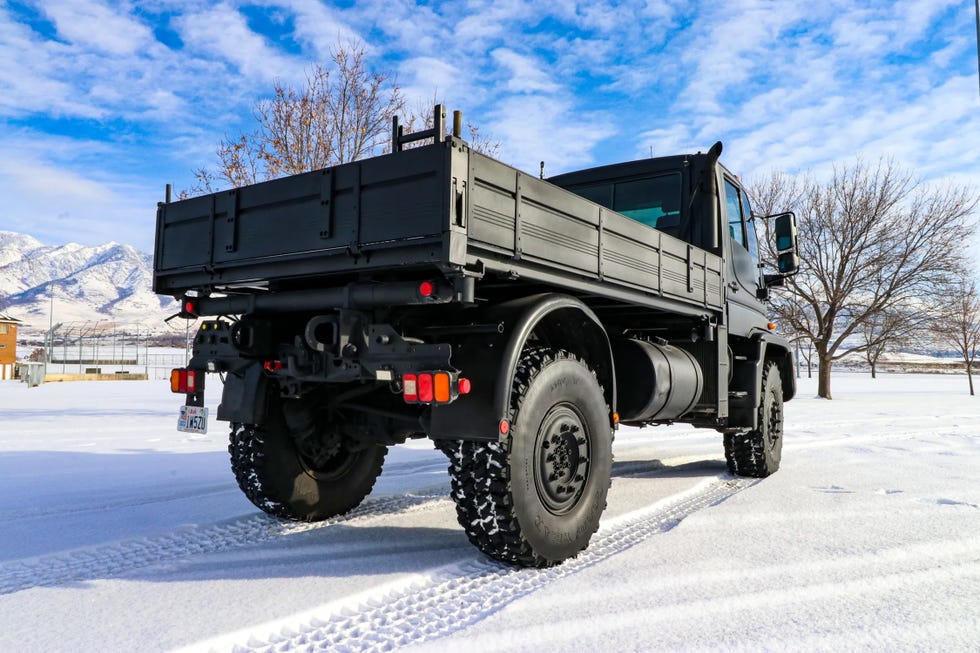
(379, 212)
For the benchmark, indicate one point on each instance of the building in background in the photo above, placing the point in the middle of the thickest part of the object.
(8, 345)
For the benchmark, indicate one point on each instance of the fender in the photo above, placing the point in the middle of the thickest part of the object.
(764, 347)
(779, 350)
(490, 362)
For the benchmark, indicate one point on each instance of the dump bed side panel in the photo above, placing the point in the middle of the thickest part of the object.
(521, 223)
(315, 223)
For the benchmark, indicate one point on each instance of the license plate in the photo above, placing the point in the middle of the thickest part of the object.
(193, 419)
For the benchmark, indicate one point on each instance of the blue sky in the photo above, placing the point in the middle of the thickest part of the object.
(102, 103)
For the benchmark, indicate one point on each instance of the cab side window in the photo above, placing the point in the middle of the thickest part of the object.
(734, 210)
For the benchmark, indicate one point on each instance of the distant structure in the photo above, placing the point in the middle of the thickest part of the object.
(8, 345)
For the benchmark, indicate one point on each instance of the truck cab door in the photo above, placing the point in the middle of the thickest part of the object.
(744, 276)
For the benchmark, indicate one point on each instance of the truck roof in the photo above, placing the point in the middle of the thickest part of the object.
(637, 168)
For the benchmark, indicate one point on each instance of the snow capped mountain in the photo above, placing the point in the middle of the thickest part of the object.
(109, 282)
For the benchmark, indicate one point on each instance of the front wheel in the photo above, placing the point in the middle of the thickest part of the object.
(758, 452)
(534, 498)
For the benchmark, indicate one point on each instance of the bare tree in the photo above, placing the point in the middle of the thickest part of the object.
(870, 238)
(887, 329)
(806, 350)
(957, 320)
(342, 113)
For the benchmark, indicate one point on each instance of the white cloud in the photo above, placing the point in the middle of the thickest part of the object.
(533, 128)
(488, 21)
(29, 75)
(319, 26)
(404, 26)
(527, 74)
(235, 43)
(420, 77)
(59, 204)
(98, 26)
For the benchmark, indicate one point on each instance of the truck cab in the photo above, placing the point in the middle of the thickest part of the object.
(698, 200)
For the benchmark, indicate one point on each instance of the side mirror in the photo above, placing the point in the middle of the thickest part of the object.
(788, 261)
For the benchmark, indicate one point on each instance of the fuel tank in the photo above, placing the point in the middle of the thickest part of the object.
(655, 381)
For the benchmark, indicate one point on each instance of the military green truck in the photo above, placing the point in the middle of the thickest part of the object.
(515, 321)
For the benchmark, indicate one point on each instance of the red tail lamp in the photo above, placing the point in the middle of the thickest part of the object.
(183, 381)
(425, 388)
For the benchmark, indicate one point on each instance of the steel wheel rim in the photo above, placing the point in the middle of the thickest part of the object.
(774, 426)
(330, 468)
(562, 453)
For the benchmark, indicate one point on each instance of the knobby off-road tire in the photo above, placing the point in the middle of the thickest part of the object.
(280, 481)
(534, 498)
(757, 453)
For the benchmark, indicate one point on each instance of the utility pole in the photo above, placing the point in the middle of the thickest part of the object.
(48, 352)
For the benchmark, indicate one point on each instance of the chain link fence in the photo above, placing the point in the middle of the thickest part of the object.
(105, 347)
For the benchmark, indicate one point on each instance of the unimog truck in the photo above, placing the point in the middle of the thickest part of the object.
(434, 292)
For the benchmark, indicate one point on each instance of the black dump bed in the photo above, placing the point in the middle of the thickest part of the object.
(439, 207)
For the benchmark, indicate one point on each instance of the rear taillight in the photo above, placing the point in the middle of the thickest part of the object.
(425, 388)
(433, 387)
(188, 308)
(183, 381)
(410, 388)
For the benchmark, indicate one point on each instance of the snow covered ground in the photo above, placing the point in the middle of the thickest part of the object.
(119, 534)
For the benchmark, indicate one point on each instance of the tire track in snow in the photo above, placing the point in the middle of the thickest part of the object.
(195, 493)
(453, 597)
(118, 558)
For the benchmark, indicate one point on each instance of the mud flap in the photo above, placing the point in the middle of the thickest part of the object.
(245, 397)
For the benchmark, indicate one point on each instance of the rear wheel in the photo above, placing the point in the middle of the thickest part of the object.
(758, 452)
(535, 497)
(311, 483)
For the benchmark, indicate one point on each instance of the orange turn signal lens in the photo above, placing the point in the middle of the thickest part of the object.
(441, 388)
